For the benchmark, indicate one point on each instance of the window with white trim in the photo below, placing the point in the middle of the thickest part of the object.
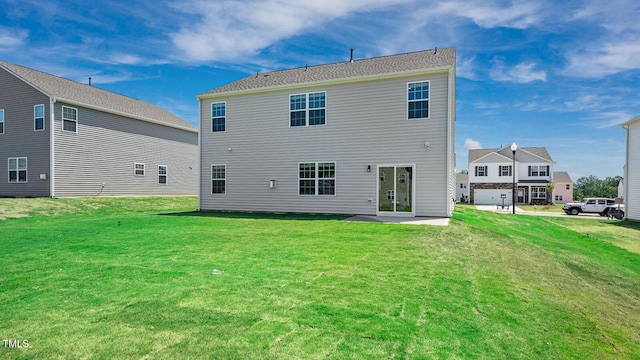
(311, 107)
(539, 193)
(218, 179)
(538, 170)
(69, 119)
(18, 170)
(38, 117)
(1, 121)
(138, 169)
(162, 174)
(558, 197)
(481, 170)
(505, 170)
(568, 186)
(218, 116)
(317, 178)
(418, 100)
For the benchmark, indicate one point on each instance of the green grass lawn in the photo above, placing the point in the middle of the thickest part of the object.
(133, 278)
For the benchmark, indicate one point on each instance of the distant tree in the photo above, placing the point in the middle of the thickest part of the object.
(464, 171)
(592, 186)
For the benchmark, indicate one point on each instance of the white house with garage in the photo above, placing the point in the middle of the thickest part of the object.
(631, 182)
(492, 175)
(371, 136)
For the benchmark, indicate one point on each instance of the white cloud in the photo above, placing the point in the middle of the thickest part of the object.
(471, 144)
(12, 38)
(521, 73)
(233, 29)
(607, 59)
(491, 14)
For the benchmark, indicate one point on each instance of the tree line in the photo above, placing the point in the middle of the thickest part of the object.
(592, 186)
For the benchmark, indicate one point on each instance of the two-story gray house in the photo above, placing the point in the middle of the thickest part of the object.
(62, 138)
(491, 176)
(372, 137)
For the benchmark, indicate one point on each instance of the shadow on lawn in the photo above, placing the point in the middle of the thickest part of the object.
(258, 215)
(629, 224)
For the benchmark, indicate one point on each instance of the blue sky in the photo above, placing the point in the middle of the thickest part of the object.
(559, 74)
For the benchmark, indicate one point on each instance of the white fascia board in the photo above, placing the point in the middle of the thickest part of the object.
(628, 123)
(124, 114)
(339, 81)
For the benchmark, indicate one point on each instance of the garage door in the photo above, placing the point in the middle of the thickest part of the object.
(491, 196)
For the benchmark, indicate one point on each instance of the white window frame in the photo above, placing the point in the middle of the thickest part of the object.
(224, 117)
(307, 108)
(317, 178)
(17, 170)
(2, 121)
(536, 191)
(504, 170)
(166, 174)
(71, 120)
(223, 179)
(428, 99)
(485, 171)
(136, 168)
(36, 117)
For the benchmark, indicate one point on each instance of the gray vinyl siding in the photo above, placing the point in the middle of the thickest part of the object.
(632, 197)
(20, 140)
(366, 124)
(99, 159)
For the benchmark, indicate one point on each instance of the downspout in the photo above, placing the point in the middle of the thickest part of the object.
(199, 154)
(52, 148)
(625, 187)
(450, 145)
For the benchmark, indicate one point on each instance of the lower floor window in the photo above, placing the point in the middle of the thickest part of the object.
(218, 179)
(558, 197)
(162, 174)
(317, 178)
(18, 169)
(538, 193)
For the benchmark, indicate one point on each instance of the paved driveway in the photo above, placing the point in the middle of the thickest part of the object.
(499, 209)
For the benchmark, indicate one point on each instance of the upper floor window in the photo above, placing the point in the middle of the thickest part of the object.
(18, 169)
(504, 170)
(162, 174)
(218, 179)
(307, 109)
(38, 117)
(481, 170)
(568, 187)
(542, 170)
(218, 116)
(69, 119)
(317, 178)
(418, 98)
(1, 121)
(138, 169)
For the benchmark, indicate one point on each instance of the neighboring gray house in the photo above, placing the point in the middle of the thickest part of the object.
(462, 187)
(372, 136)
(61, 138)
(632, 170)
(491, 176)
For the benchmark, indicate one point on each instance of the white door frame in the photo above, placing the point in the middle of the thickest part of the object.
(413, 190)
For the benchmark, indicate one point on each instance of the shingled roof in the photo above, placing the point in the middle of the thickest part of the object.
(475, 154)
(562, 177)
(426, 59)
(65, 89)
